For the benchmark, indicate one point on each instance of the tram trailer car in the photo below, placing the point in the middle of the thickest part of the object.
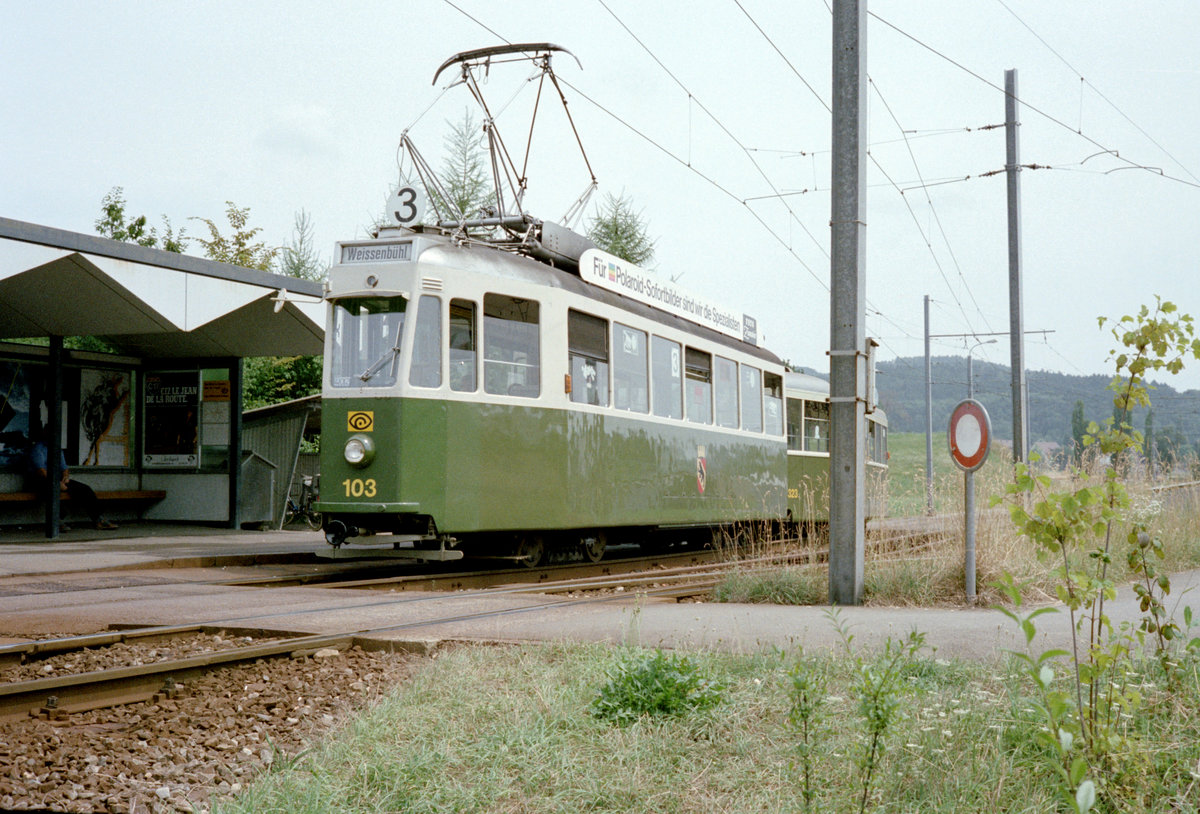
(481, 400)
(808, 453)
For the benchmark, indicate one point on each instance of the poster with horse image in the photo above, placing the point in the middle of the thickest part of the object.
(104, 418)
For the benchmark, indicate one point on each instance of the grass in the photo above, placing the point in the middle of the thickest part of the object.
(509, 730)
(935, 577)
(519, 729)
(907, 482)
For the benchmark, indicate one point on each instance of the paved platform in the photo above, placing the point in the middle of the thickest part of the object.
(973, 633)
(143, 545)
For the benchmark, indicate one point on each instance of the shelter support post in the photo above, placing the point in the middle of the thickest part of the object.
(235, 440)
(53, 436)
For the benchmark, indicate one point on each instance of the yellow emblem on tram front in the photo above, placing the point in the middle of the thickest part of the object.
(360, 420)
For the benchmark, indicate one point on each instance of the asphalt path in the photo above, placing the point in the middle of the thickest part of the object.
(968, 633)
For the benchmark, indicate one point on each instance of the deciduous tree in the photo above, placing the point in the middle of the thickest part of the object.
(237, 249)
(115, 224)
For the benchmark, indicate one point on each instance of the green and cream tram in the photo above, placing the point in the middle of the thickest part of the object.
(480, 400)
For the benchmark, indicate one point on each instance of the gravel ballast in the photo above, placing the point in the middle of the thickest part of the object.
(175, 755)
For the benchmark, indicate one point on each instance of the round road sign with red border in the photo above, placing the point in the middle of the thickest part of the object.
(970, 435)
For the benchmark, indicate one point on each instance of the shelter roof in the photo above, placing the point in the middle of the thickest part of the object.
(309, 405)
(148, 302)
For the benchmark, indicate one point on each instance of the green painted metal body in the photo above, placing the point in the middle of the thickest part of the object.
(808, 488)
(482, 467)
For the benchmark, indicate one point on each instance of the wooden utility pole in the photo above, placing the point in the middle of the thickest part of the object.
(847, 363)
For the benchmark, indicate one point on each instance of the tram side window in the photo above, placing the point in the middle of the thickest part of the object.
(365, 346)
(511, 346)
(666, 370)
(725, 392)
(773, 403)
(462, 346)
(698, 388)
(426, 367)
(587, 349)
(630, 380)
(877, 441)
(816, 426)
(795, 424)
(752, 398)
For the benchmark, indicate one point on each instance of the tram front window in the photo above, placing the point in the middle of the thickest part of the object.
(365, 350)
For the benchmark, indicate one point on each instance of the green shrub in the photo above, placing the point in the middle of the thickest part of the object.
(659, 684)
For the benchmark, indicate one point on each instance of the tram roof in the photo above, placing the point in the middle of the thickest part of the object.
(515, 266)
(147, 302)
(794, 380)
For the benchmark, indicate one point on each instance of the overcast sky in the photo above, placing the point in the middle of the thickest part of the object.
(281, 107)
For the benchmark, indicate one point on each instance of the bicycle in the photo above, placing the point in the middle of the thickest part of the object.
(303, 509)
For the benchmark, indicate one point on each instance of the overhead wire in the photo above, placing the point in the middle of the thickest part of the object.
(1099, 93)
(907, 135)
(783, 56)
(687, 164)
(917, 134)
(692, 99)
(824, 104)
(1034, 108)
(477, 22)
(776, 194)
(929, 201)
(906, 186)
(709, 180)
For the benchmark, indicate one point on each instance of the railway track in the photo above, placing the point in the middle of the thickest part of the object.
(668, 576)
(909, 534)
(678, 576)
(58, 696)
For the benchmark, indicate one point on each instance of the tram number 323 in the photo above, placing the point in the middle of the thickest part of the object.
(357, 487)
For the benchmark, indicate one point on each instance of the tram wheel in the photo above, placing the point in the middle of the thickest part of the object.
(593, 546)
(531, 551)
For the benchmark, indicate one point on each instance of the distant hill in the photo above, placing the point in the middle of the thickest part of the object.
(1052, 397)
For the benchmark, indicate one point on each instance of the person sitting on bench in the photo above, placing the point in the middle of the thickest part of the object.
(37, 479)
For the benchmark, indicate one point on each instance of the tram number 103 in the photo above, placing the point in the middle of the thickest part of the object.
(357, 487)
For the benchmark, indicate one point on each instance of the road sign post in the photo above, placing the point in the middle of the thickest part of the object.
(970, 440)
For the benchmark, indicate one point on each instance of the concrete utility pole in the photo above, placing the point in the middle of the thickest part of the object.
(928, 417)
(969, 493)
(1016, 310)
(847, 376)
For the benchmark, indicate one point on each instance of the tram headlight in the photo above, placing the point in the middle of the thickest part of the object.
(359, 450)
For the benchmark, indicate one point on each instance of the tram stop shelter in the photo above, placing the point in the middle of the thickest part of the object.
(151, 419)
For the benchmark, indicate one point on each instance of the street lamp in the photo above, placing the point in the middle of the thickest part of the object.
(970, 374)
